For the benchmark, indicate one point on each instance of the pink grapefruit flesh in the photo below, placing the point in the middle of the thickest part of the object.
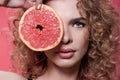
(42, 29)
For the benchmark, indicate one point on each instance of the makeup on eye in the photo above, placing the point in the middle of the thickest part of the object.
(78, 22)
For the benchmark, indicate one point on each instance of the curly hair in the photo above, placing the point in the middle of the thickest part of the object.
(98, 63)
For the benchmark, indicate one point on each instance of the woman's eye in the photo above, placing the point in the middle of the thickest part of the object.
(78, 24)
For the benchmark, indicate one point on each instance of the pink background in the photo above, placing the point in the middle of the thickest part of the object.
(5, 44)
(6, 36)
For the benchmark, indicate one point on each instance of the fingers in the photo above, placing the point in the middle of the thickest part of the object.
(38, 4)
(12, 3)
(3, 2)
(39, 1)
(21, 3)
(30, 3)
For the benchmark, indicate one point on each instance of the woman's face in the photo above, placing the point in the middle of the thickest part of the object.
(74, 43)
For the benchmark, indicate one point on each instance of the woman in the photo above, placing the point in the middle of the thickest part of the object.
(86, 49)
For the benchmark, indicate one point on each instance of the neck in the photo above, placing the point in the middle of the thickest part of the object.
(54, 72)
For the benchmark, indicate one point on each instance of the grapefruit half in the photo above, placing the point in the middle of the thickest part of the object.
(41, 29)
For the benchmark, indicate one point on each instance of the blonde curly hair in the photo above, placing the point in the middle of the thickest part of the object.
(98, 62)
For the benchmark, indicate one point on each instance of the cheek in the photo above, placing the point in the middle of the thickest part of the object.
(82, 42)
(86, 34)
(83, 38)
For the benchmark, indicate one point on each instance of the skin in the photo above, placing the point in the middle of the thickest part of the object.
(4, 75)
(64, 60)
(74, 41)
(19, 3)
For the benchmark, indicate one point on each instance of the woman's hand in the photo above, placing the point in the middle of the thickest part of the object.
(19, 3)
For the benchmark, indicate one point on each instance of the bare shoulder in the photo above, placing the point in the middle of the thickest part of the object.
(4, 75)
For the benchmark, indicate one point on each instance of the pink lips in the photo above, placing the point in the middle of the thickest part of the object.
(66, 53)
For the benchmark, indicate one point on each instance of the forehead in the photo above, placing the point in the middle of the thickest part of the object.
(66, 7)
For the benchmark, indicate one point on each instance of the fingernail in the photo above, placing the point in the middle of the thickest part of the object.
(38, 6)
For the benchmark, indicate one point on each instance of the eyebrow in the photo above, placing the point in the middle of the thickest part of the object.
(78, 19)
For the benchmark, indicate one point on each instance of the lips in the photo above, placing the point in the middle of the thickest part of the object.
(66, 53)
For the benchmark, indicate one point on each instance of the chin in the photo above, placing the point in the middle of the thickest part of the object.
(67, 63)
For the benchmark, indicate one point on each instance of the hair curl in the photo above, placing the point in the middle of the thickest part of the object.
(98, 62)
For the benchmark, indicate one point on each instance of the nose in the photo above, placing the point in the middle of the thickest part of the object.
(66, 39)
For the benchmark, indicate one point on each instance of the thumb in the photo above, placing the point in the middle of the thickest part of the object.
(38, 4)
(30, 3)
(38, 1)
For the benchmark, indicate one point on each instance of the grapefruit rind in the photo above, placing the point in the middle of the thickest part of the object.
(27, 43)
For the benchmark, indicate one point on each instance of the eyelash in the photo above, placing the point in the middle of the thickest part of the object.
(78, 24)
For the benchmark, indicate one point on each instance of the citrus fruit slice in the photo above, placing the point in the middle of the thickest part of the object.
(41, 29)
